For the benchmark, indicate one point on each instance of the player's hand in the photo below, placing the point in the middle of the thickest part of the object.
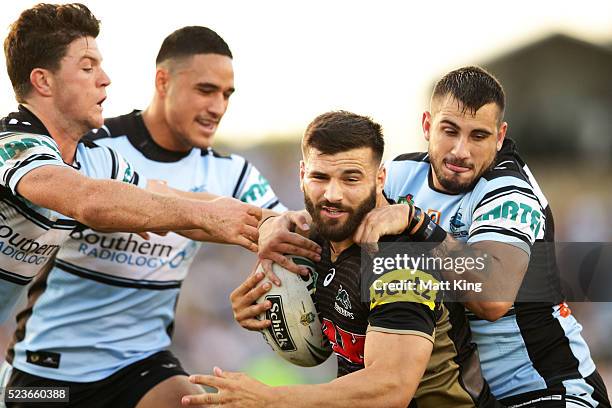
(243, 299)
(230, 221)
(387, 220)
(234, 390)
(284, 234)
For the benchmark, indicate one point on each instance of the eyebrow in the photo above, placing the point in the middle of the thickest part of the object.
(456, 126)
(344, 173)
(352, 171)
(91, 58)
(317, 173)
(450, 122)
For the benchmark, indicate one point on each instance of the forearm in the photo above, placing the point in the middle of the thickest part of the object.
(207, 236)
(369, 388)
(159, 187)
(483, 268)
(499, 280)
(113, 206)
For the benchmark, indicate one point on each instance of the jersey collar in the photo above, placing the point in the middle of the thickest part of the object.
(142, 140)
(24, 121)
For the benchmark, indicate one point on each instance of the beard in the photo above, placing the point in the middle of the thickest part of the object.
(334, 230)
(454, 185)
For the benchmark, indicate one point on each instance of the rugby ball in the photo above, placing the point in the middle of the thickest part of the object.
(295, 333)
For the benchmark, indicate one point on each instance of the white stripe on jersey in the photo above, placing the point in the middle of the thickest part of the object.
(536, 187)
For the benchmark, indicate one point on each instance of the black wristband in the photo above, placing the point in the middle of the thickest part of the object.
(428, 231)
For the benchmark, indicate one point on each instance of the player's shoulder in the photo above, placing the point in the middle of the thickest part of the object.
(213, 154)
(405, 170)
(224, 162)
(408, 163)
(117, 126)
(412, 158)
(24, 125)
(508, 174)
(25, 137)
(508, 180)
(508, 163)
(25, 142)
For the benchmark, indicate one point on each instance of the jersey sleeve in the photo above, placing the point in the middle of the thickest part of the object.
(252, 188)
(21, 153)
(404, 302)
(106, 163)
(506, 209)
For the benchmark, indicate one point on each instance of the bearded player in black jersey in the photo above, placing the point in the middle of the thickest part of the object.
(393, 351)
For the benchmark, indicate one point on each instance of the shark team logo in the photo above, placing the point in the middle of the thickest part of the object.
(458, 229)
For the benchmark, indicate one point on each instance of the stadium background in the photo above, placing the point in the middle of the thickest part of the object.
(295, 61)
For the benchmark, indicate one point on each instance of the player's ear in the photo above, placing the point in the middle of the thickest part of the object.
(162, 77)
(42, 81)
(501, 135)
(426, 124)
(381, 176)
(302, 172)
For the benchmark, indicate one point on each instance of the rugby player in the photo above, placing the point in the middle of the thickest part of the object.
(383, 344)
(118, 291)
(477, 187)
(54, 66)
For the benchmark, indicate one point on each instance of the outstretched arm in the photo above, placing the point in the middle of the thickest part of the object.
(161, 187)
(394, 365)
(505, 264)
(110, 205)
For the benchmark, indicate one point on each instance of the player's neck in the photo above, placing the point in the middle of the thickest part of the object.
(436, 183)
(64, 132)
(336, 248)
(155, 122)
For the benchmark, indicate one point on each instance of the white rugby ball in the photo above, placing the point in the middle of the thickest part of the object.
(295, 333)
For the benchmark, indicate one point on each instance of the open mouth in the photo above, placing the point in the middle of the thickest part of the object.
(100, 102)
(207, 124)
(332, 212)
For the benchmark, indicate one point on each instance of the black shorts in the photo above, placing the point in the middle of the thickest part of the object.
(123, 389)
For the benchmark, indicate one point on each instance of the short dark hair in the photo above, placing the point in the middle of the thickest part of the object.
(340, 131)
(474, 87)
(40, 37)
(192, 40)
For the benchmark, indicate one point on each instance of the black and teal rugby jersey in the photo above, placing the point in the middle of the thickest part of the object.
(452, 377)
(119, 291)
(30, 236)
(536, 346)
